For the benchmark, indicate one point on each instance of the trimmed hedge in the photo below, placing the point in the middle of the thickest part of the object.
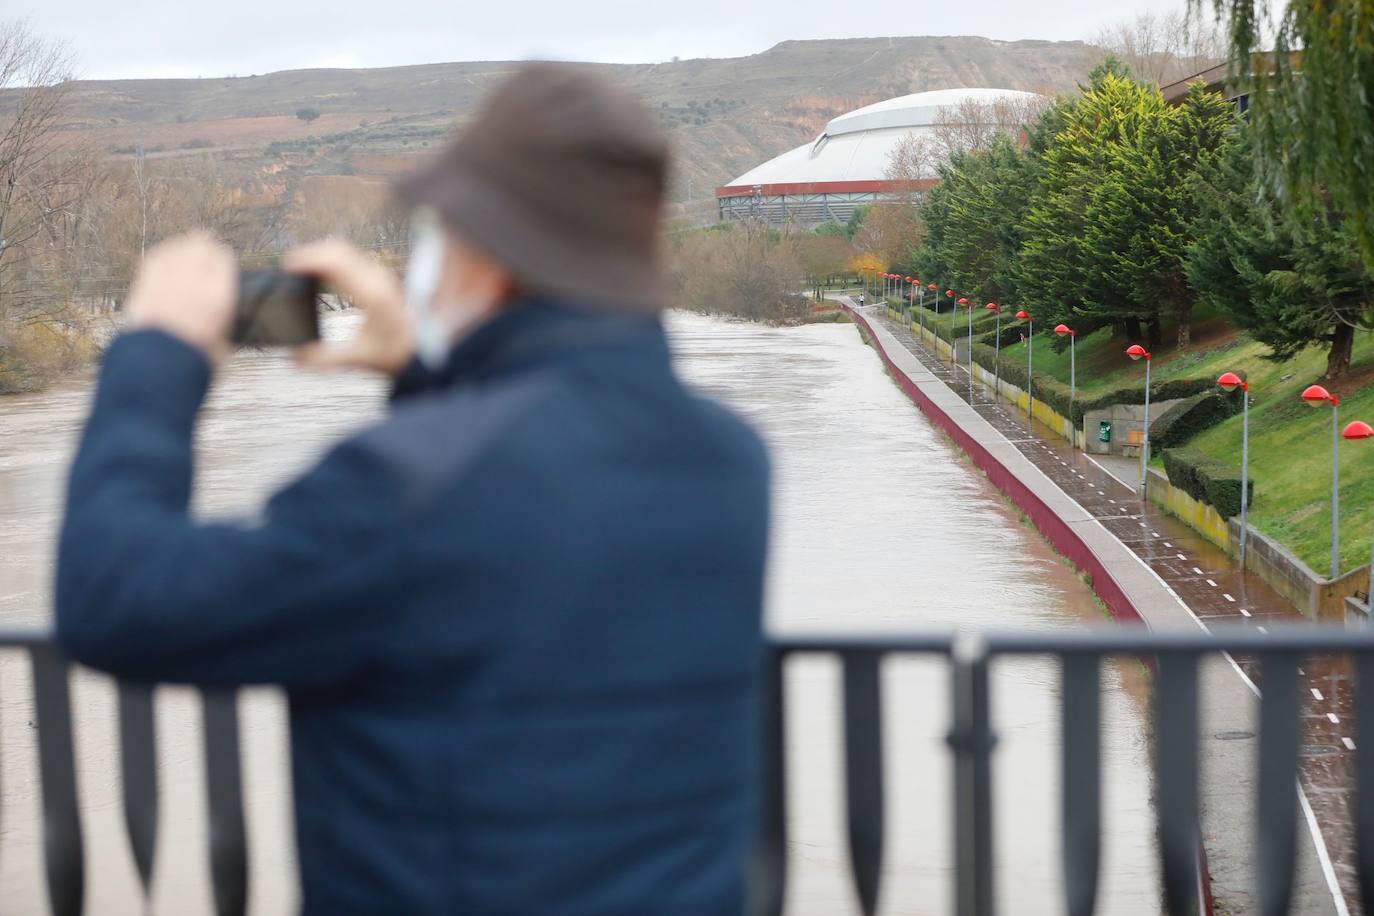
(1206, 479)
(1056, 393)
(1189, 417)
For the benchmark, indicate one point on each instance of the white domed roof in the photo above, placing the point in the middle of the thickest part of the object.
(857, 147)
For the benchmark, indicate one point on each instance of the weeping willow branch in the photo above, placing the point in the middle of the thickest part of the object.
(1313, 99)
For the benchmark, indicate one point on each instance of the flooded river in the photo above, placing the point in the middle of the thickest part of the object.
(879, 524)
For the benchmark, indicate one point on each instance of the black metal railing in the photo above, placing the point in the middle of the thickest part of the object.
(1174, 657)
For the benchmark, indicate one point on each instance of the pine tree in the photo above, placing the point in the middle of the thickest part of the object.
(1106, 234)
(1291, 282)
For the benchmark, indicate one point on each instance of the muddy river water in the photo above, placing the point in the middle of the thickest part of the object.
(878, 525)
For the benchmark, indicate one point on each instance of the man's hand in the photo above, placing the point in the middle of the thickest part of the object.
(187, 287)
(386, 341)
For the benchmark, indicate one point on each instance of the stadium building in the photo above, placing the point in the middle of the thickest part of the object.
(846, 166)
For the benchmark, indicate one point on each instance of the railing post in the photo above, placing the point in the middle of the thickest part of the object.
(768, 865)
(1081, 792)
(1276, 832)
(1176, 748)
(57, 770)
(138, 774)
(863, 774)
(224, 788)
(971, 741)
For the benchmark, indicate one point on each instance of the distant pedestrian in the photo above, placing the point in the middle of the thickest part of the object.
(518, 621)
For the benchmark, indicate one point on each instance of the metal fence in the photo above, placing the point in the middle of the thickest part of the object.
(1173, 657)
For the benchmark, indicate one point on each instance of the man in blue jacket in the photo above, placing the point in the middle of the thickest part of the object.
(518, 621)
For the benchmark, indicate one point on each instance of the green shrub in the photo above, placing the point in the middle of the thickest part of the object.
(1206, 479)
(1189, 417)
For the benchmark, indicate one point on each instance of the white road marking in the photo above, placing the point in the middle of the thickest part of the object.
(1263, 630)
(1349, 745)
(1245, 613)
(1335, 720)
(1211, 583)
(1196, 570)
(1167, 544)
(1228, 597)
(1317, 694)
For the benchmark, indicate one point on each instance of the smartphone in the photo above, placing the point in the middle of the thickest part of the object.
(276, 309)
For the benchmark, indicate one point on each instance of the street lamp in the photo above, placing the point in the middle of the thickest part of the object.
(953, 316)
(1136, 352)
(997, 352)
(933, 324)
(1362, 430)
(1315, 396)
(1030, 366)
(921, 306)
(970, 352)
(1061, 330)
(954, 356)
(1230, 382)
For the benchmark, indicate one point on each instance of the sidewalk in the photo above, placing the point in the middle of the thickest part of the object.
(1201, 576)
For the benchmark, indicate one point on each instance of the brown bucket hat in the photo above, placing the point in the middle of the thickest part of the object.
(560, 177)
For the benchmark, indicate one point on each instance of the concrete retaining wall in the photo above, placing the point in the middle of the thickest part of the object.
(1313, 595)
(1199, 516)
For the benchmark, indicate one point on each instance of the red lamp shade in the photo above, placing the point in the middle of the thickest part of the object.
(1024, 315)
(993, 307)
(909, 280)
(1315, 394)
(1062, 329)
(949, 293)
(917, 280)
(1230, 382)
(1359, 430)
(1136, 351)
(931, 286)
(963, 302)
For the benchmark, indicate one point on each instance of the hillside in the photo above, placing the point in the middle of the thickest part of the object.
(725, 115)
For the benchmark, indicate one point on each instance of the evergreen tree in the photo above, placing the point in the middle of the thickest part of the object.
(1106, 233)
(1290, 282)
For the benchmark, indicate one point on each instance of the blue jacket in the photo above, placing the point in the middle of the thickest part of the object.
(518, 622)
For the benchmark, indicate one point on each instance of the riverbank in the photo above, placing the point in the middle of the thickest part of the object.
(1125, 547)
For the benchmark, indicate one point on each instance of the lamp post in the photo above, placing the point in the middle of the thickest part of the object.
(970, 352)
(953, 317)
(933, 323)
(997, 351)
(1030, 366)
(954, 350)
(1230, 382)
(1136, 352)
(921, 306)
(1315, 396)
(1355, 431)
(1062, 330)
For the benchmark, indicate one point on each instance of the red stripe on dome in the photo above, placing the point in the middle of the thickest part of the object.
(825, 187)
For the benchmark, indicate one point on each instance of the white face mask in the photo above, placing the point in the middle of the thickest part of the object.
(428, 248)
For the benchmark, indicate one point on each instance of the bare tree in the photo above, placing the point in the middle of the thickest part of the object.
(36, 170)
(1164, 47)
(972, 124)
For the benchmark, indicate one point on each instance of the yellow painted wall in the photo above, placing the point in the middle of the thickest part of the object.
(1199, 516)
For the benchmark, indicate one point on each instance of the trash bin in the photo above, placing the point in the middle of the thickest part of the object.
(1104, 431)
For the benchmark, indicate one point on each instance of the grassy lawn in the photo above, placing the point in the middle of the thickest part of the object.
(1290, 454)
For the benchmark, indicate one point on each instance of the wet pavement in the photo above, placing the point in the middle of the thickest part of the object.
(1200, 575)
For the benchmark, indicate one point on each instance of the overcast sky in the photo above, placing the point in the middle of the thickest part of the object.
(174, 38)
